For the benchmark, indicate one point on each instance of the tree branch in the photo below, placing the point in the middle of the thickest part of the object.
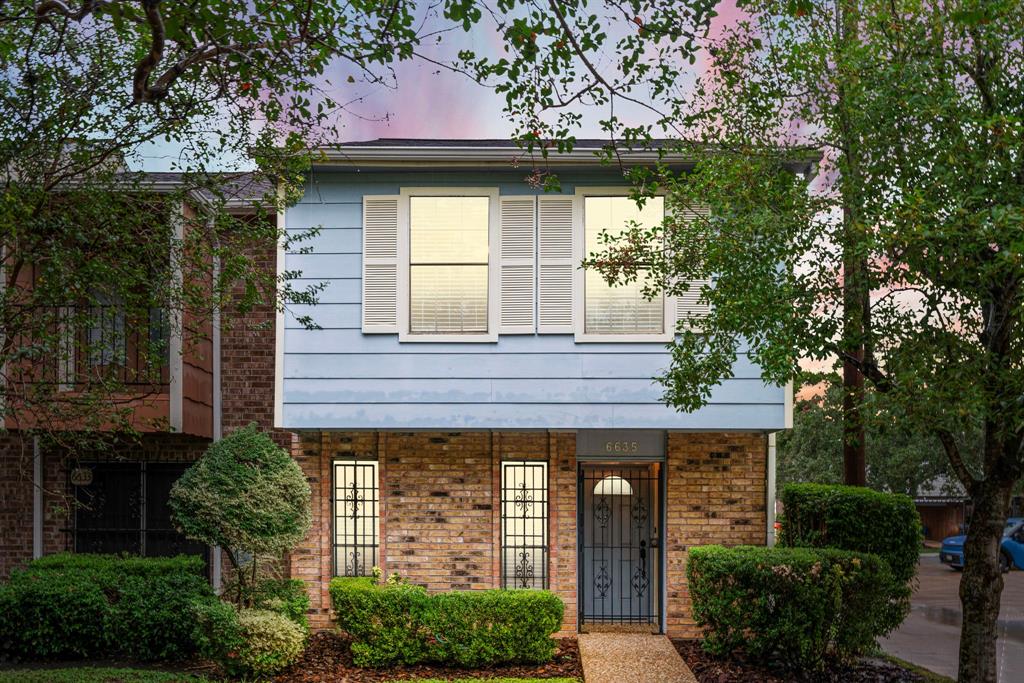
(140, 84)
(957, 461)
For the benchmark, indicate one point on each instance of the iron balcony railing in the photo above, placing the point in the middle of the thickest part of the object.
(76, 346)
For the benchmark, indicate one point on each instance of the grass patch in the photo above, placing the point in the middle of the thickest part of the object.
(87, 674)
(927, 675)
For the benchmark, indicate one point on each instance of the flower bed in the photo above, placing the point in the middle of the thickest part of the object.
(739, 669)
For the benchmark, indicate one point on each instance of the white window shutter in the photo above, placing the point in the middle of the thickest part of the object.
(518, 263)
(688, 307)
(555, 265)
(380, 264)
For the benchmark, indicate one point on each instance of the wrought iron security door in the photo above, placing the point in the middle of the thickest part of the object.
(619, 554)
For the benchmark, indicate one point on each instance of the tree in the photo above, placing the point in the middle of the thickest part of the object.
(86, 245)
(900, 457)
(928, 206)
(245, 495)
(904, 264)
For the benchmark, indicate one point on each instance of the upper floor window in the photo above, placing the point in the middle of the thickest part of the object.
(619, 309)
(448, 261)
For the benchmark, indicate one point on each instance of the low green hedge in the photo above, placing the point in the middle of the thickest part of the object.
(288, 597)
(802, 606)
(392, 624)
(386, 622)
(102, 606)
(853, 518)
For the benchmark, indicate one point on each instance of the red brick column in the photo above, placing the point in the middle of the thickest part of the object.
(716, 495)
(562, 489)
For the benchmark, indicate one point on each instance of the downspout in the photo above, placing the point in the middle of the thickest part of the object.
(218, 413)
(37, 499)
(770, 493)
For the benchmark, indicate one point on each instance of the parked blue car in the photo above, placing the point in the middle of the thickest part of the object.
(1012, 555)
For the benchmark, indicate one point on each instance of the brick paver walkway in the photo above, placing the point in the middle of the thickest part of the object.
(639, 657)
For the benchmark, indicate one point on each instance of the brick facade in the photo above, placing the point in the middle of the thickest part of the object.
(715, 495)
(440, 512)
(247, 385)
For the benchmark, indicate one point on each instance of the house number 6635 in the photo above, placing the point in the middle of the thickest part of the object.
(621, 446)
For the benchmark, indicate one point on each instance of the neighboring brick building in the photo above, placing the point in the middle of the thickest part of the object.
(474, 412)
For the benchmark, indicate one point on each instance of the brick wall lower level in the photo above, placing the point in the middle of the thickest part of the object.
(440, 514)
(17, 486)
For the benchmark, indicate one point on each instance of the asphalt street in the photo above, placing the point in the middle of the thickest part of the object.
(930, 636)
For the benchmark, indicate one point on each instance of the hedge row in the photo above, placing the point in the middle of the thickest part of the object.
(392, 624)
(853, 518)
(98, 606)
(797, 605)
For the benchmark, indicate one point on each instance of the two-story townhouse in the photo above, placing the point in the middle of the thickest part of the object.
(476, 411)
(205, 377)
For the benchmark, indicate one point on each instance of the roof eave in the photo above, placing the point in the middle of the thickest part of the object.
(371, 156)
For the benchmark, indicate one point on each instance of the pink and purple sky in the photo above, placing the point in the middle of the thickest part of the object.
(430, 102)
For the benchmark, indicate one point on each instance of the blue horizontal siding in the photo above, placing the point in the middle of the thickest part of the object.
(508, 390)
(337, 377)
(442, 364)
(538, 416)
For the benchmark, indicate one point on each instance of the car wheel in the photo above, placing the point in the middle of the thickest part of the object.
(1004, 563)
(957, 569)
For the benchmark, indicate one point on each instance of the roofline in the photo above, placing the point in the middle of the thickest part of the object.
(476, 157)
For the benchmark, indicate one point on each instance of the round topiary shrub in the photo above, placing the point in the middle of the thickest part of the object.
(272, 642)
(245, 495)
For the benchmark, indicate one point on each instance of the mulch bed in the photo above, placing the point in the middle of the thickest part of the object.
(737, 669)
(327, 658)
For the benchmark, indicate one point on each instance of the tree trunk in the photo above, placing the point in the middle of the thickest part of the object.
(982, 583)
(856, 291)
(854, 458)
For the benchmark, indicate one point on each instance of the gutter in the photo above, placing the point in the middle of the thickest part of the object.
(770, 492)
(391, 156)
(216, 570)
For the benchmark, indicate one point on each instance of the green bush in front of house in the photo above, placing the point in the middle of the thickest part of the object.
(251, 643)
(802, 606)
(102, 606)
(385, 622)
(400, 623)
(288, 597)
(858, 519)
(853, 518)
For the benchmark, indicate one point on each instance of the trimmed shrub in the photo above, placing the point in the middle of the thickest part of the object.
(385, 622)
(284, 596)
(245, 493)
(802, 606)
(858, 519)
(216, 631)
(481, 628)
(853, 518)
(271, 642)
(247, 642)
(402, 623)
(102, 605)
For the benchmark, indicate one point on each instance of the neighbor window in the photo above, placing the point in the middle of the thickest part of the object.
(448, 253)
(620, 309)
(524, 524)
(356, 516)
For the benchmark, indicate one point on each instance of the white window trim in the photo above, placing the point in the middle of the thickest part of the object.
(493, 266)
(579, 278)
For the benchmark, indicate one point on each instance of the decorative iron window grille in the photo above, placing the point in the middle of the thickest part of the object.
(356, 516)
(524, 524)
(123, 509)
